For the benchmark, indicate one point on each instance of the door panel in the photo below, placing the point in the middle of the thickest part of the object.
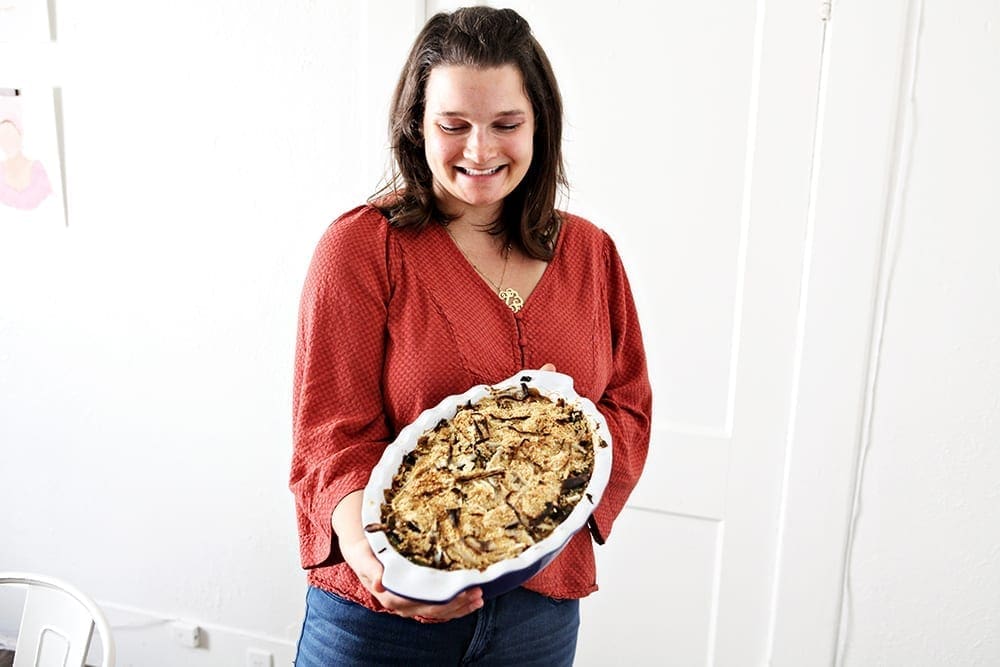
(644, 584)
(685, 474)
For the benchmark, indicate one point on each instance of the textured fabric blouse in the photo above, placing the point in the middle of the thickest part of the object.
(394, 320)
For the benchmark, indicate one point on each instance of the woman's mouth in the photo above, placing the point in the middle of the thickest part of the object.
(469, 171)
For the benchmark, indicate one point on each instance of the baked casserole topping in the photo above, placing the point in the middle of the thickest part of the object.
(490, 482)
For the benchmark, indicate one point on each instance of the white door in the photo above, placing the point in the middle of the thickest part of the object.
(690, 139)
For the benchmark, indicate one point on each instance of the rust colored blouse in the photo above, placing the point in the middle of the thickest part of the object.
(394, 320)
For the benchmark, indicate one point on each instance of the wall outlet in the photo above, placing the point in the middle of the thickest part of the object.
(185, 634)
(258, 658)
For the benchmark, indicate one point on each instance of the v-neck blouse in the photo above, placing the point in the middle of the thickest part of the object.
(393, 320)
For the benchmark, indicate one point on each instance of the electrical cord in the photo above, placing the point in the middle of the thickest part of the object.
(902, 152)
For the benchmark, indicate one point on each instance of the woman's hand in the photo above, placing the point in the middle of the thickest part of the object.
(359, 557)
(548, 367)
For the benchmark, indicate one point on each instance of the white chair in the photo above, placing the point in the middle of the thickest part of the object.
(57, 623)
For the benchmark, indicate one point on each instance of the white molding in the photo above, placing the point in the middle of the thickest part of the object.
(788, 49)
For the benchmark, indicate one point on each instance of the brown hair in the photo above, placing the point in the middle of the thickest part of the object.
(481, 37)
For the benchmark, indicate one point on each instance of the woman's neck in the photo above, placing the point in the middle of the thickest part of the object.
(475, 217)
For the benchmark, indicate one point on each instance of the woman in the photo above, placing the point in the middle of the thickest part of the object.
(460, 273)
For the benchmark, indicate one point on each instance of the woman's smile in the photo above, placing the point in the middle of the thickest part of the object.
(479, 173)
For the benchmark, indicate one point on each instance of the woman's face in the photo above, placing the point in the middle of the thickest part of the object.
(478, 132)
(10, 139)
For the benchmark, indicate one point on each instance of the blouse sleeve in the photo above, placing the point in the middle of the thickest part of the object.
(339, 425)
(627, 400)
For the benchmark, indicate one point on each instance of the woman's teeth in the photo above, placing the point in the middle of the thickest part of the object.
(479, 172)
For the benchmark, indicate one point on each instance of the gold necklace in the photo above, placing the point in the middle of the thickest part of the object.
(510, 295)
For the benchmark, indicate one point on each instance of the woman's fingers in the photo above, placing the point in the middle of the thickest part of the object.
(548, 367)
(462, 604)
(362, 560)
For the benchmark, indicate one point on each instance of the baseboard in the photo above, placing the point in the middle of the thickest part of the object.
(148, 639)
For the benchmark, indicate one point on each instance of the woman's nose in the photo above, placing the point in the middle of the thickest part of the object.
(479, 147)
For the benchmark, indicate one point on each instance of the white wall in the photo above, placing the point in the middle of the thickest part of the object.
(145, 350)
(145, 370)
(924, 577)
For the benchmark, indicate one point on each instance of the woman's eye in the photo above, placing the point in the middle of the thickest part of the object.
(508, 128)
(451, 129)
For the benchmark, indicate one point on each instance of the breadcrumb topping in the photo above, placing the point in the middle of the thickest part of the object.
(488, 483)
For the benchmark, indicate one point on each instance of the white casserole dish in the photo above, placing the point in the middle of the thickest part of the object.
(418, 582)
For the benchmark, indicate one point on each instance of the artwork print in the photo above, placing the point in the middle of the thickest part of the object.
(30, 172)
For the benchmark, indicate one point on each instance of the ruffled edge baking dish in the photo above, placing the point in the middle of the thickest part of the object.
(418, 582)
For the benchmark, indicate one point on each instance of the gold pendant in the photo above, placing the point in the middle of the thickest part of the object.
(512, 299)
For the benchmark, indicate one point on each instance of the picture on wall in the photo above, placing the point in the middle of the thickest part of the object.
(24, 21)
(30, 169)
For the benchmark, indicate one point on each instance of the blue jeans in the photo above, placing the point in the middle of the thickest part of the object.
(517, 628)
